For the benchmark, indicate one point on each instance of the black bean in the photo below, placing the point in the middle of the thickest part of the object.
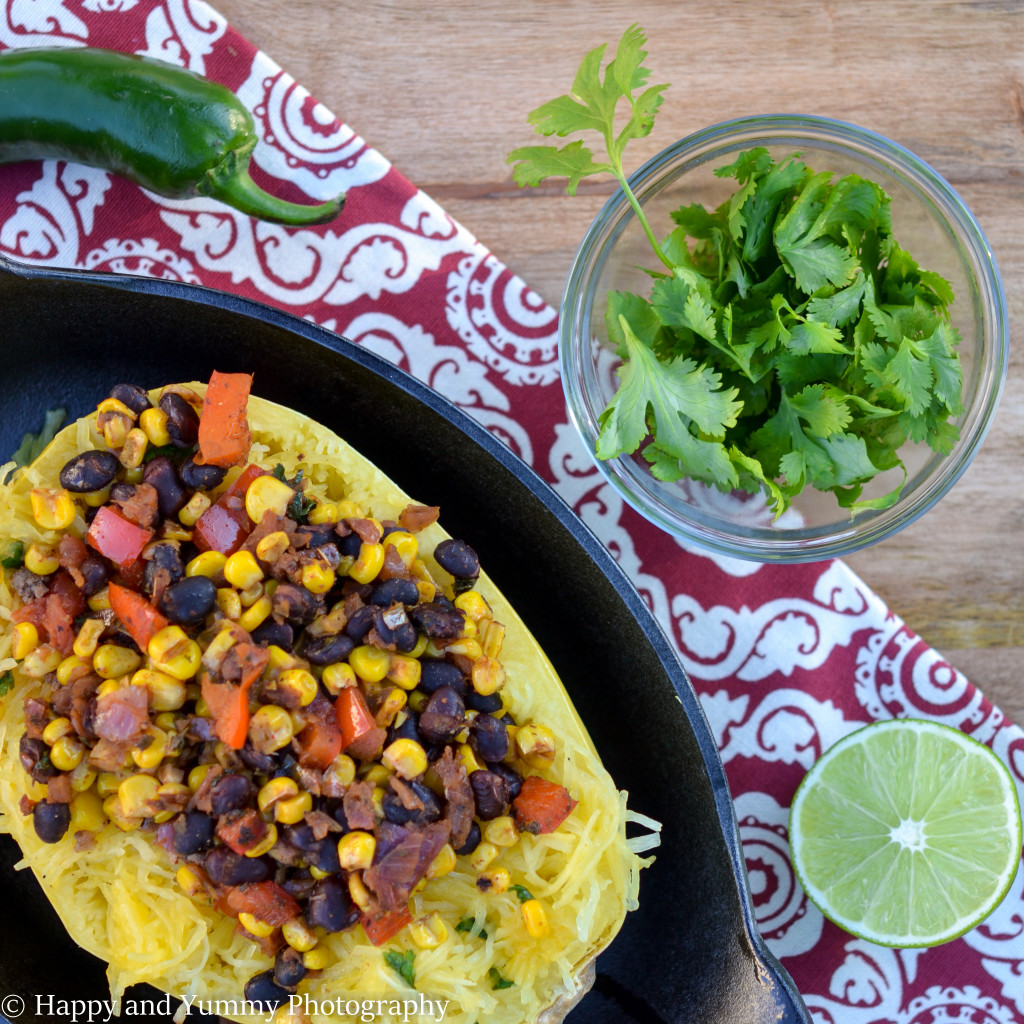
(408, 728)
(479, 702)
(192, 832)
(395, 590)
(278, 634)
(165, 560)
(457, 558)
(121, 492)
(225, 867)
(131, 395)
(437, 621)
(397, 813)
(231, 792)
(330, 907)
(295, 604)
(442, 717)
(325, 650)
(289, 969)
(34, 758)
(162, 474)
(189, 601)
(95, 574)
(472, 840)
(89, 471)
(315, 535)
(350, 545)
(182, 420)
(51, 821)
(361, 621)
(492, 793)
(201, 477)
(515, 780)
(258, 761)
(488, 737)
(262, 991)
(435, 674)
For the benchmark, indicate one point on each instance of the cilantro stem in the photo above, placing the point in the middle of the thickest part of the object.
(616, 163)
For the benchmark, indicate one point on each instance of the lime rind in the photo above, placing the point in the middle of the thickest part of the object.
(959, 832)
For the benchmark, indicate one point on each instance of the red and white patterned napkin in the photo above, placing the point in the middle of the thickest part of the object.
(786, 659)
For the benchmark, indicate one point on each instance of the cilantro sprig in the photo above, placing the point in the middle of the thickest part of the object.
(787, 340)
(403, 964)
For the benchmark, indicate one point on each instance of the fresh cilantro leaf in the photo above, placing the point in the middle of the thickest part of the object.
(522, 893)
(573, 161)
(497, 981)
(402, 964)
(467, 924)
(14, 557)
(6, 683)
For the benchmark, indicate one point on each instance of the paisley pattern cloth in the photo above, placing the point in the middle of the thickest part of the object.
(786, 660)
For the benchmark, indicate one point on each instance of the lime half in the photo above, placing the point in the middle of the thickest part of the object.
(906, 833)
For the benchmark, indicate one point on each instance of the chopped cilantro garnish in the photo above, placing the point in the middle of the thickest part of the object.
(6, 683)
(522, 893)
(787, 340)
(467, 924)
(497, 981)
(402, 965)
(14, 556)
(300, 506)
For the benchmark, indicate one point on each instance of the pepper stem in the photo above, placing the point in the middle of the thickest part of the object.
(237, 189)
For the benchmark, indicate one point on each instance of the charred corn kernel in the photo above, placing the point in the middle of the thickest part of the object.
(257, 613)
(66, 753)
(298, 935)
(469, 759)
(217, 648)
(266, 844)
(501, 831)
(444, 863)
(136, 795)
(57, 728)
(134, 449)
(491, 639)
(392, 704)
(406, 757)
(153, 422)
(293, 809)
(483, 856)
(52, 508)
(404, 671)
(356, 850)
(87, 812)
(405, 544)
(73, 667)
(469, 629)
(165, 692)
(316, 959)
(41, 559)
(172, 531)
(26, 640)
(88, 638)
(229, 602)
(370, 663)
(107, 783)
(337, 677)
(301, 683)
(112, 809)
(277, 789)
(241, 569)
(151, 749)
(368, 563)
(111, 661)
(273, 546)
(280, 661)
(487, 676)
(267, 494)
(317, 577)
(342, 769)
(196, 776)
(114, 427)
(172, 651)
(358, 891)
(115, 405)
(535, 917)
(469, 648)
(430, 932)
(187, 877)
(206, 563)
(194, 508)
(82, 776)
(473, 604)
(40, 661)
(495, 881)
(426, 589)
(254, 926)
(100, 601)
(271, 728)
(94, 499)
(251, 595)
(536, 745)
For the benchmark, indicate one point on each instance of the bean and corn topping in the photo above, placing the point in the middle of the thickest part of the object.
(276, 686)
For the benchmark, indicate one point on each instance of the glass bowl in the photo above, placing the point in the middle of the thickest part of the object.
(929, 220)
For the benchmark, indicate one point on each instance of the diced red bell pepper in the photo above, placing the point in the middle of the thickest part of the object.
(137, 615)
(224, 436)
(354, 718)
(116, 537)
(53, 614)
(225, 524)
(384, 927)
(541, 805)
(266, 901)
(60, 627)
(319, 743)
(228, 702)
(243, 833)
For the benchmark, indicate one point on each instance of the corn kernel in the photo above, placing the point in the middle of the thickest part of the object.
(405, 544)
(356, 850)
(536, 745)
(114, 426)
(86, 813)
(112, 809)
(293, 809)
(470, 648)
(279, 788)
(41, 559)
(111, 661)
(444, 863)
(267, 494)
(368, 563)
(194, 508)
(153, 422)
(26, 640)
(241, 569)
(136, 795)
(469, 759)
(73, 667)
(469, 629)
(483, 856)
(501, 831)
(299, 682)
(134, 448)
(317, 577)
(342, 769)
(487, 676)
(94, 499)
(370, 663)
(418, 700)
(229, 602)
(251, 595)
(430, 932)
(495, 881)
(100, 601)
(52, 508)
(297, 935)
(404, 671)
(148, 757)
(271, 547)
(82, 776)
(427, 588)
(348, 509)
(324, 512)
(358, 891)
(115, 405)
(337, 677)
(492, 637)
(271, 728)
(88, 638)
(390, 707)
(66, 754)
(57, 728)
(535, 918)
(378, 802)
(196, 776)
(254, 926)
(108, 686)
(187, 877)
(206, 563)
(316, 959)
(219, 646)
(406, 757)
(172, 651)
(266, 844)
(40, 661)
(165, 692)
(473, 604)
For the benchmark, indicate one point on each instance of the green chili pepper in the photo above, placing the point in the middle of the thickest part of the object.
(163, 127)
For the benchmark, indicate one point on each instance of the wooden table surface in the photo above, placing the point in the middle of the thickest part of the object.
(442, 90)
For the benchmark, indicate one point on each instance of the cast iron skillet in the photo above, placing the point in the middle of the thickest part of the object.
(691, 954)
